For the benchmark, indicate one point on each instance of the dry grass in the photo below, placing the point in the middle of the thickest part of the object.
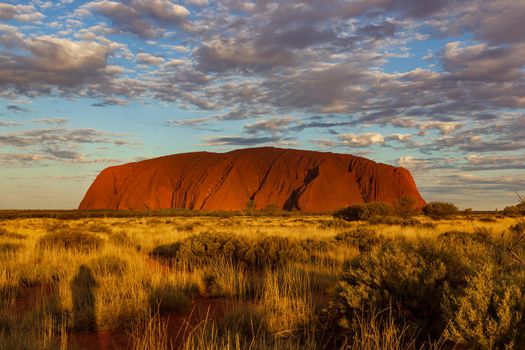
(61, 277)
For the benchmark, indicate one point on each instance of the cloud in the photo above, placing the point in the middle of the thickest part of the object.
(51, 121)
(20, 159)
(59, 143)
(110, 101)
(477, 162)
(273, 126)
(483, 62)
(17, 109)
(241, 141)
(22, 13)
(7, 123)
(227, 54)
(198, 2)
(39, 64)
(363, 140)
(149, 59)
(141, 17)
(188, 122)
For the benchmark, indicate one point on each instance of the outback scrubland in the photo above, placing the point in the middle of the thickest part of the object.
(262, 282)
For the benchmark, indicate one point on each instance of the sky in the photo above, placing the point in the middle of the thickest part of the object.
(435, 86)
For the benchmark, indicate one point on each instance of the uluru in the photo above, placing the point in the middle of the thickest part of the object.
(290, 179)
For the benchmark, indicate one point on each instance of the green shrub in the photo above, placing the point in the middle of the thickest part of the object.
(74, 240)
(363, 238)
(364, 211)
(167, 298)
(515, 210)
(519, 228)
(203, 248)
(488, 314)
(406, 207)
(413, 278)
(273, 252)
(439, 210)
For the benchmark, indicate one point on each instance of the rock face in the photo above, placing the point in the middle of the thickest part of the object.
(289, 179)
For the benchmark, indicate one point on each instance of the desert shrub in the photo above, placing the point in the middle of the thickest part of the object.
(487, 314)
(439, 210)
(109, 265)
(315, 245)
(74, 240)
(364, 211)
(273, 252)
(519, 228)
(99, 228)
(334, 223)
(7, 234)
(363, 238)
(188, 227)
(121, 238)
(57, 226)
(487, 219)
(406, 207)
(200, 249)
(412, 278)
(515, 210)
(168, 298)
(166, 251)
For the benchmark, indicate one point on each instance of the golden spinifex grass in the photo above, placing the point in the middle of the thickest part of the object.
(261, 282)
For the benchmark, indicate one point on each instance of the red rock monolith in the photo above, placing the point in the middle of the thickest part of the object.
(286, 178)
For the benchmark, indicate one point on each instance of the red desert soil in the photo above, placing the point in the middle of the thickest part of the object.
(289, 179)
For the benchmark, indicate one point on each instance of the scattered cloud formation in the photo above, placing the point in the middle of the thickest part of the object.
(140, 17)
(22, 13)
(428, 85)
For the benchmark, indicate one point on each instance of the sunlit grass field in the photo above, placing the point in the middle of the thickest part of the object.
(261, 282)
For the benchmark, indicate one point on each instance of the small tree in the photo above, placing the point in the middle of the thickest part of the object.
(364, 211)
(406, 207)
(515, 210)
(439, 210)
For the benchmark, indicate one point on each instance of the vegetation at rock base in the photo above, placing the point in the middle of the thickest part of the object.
(263, 282)
(440, 210)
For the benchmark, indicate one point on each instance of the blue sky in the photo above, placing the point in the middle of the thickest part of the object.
(435, 86)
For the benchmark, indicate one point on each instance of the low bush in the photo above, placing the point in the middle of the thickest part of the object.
(121, 238)
(363, 238)
(8, 234)
(167, 298)
(201, 249)
(273, 252)
(519, 228)
(440, 210)
(515, 210)
(406, 207)
(74, 240)
(99, 228)
(364, 211)
(449, 289)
